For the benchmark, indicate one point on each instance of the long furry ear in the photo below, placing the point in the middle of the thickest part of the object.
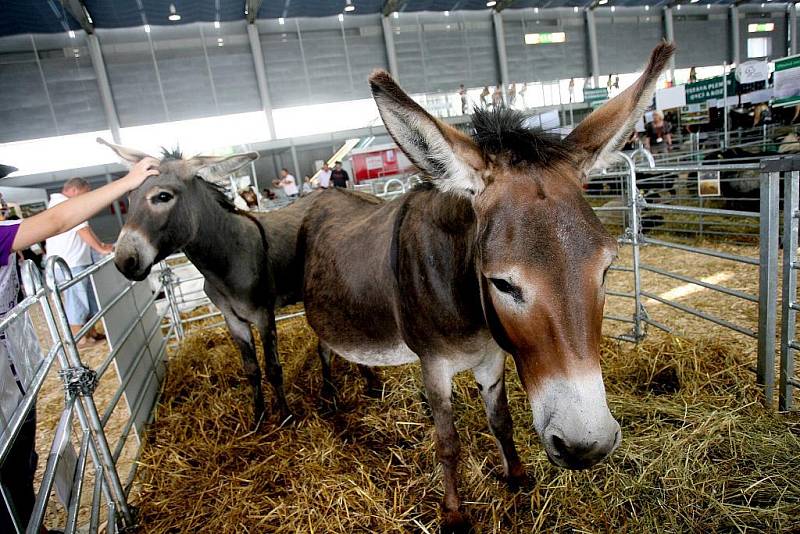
(451, 159)
(129, 156)
(602, 133)
(216, 168)
(5, 170)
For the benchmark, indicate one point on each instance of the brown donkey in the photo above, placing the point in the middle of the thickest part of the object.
(497, 252)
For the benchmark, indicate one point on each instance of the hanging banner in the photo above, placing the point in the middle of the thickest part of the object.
(710, 89)
(595, 97)
(786, 81)
(752, 71)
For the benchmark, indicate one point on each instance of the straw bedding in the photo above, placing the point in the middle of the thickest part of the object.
(699, 452)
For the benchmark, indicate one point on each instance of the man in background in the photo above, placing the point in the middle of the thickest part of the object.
(288, 183)
(75, 247)
(325, 176)
(339, 176)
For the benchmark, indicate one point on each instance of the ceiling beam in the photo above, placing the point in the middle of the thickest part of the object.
(79, 12)
(390, 6)
(503, 4)
(252, 7)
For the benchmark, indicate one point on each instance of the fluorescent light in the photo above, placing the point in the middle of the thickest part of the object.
(341, 17)
(647, 8)
(281, 21)
(491, 3)
(216, 24)
(173, 14)
(396, 14)
(760, 27)
(575, 9)
(693, 1)
(545, 38)
(446, 13)
(349, 6)
(678, 7)
(602, 2)
(535, 9)
(708, 6)
(613, 8)
(71, 34)
(146, 28)
(220, 41)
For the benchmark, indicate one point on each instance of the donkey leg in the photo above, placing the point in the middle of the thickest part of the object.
(438, 381)
(374, 384)
(243, 337)
(328, 393)
(269, 340)
(491, 378)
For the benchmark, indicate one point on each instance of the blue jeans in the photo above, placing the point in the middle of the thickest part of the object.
(80, 303)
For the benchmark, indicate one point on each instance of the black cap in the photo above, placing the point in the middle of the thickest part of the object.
(5, 170)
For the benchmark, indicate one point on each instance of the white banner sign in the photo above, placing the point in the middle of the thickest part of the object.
(671, 97)
(752, 71)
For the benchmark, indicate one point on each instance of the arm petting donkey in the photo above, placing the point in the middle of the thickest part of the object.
(497, 253)
(241, 255)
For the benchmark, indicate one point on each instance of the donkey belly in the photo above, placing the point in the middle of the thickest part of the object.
(377, 356)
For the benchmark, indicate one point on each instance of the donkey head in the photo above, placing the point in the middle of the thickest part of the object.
(166, 210)
(542, 254)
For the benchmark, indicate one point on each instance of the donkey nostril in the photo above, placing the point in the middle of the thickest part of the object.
(130, 264)
(560, 446)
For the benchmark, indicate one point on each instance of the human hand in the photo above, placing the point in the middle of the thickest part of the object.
(107, 248)
(140, 172)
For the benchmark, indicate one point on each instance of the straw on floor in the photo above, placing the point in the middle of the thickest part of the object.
(699, 452)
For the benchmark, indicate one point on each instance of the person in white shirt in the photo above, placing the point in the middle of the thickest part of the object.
(288, 183)
(325, 176)
(75, 247)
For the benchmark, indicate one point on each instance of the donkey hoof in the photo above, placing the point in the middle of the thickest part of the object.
(517, 482)
(455, 522)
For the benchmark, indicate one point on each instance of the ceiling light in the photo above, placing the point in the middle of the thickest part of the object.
(535, 9)
(341, 17)
(447, 27)
(575, 9)
(613, 8)
(693, 1)
(647, 8)
(281, 21)
(678, 7)
(491, 3)
(603, 2)
(146, 28)
(216, 24)
(71, 34)
(349, 6)
(762, 5)
(396, 14)
(446, 13)
(173, 14)
(708, 6)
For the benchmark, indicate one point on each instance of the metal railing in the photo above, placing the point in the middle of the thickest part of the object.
(790, 304)
(137, 353)
(636, 221)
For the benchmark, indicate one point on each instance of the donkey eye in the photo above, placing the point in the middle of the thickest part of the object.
(504, 286)
(163, 196)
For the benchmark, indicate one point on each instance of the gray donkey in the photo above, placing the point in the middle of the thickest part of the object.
(248, 260)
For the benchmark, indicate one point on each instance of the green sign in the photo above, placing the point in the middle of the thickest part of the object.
(704, 90)
(786, 81)
(595, 96)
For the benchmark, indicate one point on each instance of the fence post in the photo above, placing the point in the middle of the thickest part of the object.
(85, 380)
(768, 276)
(633, 233)
(788, 313)
(167, 279)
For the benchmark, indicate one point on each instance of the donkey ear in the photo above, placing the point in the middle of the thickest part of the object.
(129, 156)
(448, 156)
(600, 134)
(216, 168)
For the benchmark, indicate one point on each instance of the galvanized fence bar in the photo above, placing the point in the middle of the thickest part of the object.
(768, 280)
(791, 199)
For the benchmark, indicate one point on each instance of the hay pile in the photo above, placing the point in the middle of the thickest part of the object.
(699, 453)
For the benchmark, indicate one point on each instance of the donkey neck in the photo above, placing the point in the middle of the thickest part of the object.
(222, 239)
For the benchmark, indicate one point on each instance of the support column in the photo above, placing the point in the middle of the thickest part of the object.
(594, 62)
(669, 35)
(105, 87)
(391, 54)
(734, 29)
(792, 29)
(502, 57)
(298, 176)
(261, 76)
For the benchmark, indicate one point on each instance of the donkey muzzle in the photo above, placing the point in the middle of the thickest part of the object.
(134, 254)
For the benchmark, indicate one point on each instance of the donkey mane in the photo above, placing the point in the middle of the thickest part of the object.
(218, 193)
(503, 130)
(173, 154)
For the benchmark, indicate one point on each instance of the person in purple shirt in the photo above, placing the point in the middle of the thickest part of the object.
(19, 467)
